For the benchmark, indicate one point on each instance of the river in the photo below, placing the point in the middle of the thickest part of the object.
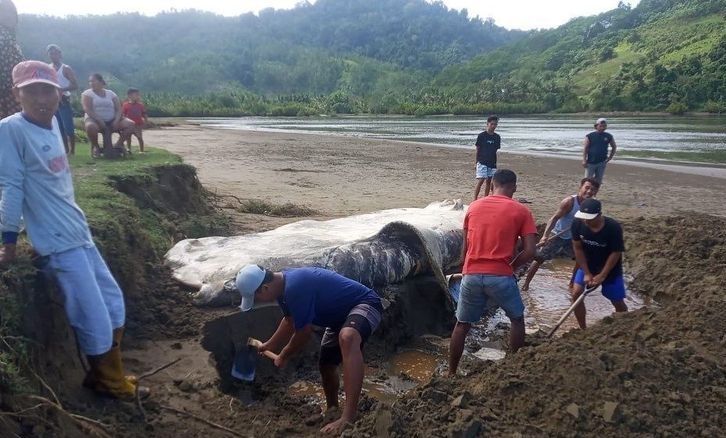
(559, 135)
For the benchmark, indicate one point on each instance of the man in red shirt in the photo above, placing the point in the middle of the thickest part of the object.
(133, 109)
(491, 228)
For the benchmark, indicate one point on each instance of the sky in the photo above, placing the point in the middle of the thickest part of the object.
(511, 14)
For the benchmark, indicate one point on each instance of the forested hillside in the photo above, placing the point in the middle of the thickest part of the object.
(662, 55)
(399, 56)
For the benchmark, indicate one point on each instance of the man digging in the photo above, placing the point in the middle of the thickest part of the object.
(598, 244)
(560, 245)
(309, 297)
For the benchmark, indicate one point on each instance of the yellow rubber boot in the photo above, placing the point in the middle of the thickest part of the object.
(106, 376)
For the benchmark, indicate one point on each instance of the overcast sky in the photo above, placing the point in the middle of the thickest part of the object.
(512, 14)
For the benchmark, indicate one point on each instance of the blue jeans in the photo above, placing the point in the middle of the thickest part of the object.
(480, 292)
(93, 300)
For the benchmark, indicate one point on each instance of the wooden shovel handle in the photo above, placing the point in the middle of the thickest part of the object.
(257, 343)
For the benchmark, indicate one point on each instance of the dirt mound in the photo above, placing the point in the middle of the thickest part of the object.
(656, 371)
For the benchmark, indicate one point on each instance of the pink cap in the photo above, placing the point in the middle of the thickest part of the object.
(31, 72)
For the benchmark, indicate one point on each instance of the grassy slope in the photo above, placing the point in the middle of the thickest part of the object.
(102, 203)
(689, 37)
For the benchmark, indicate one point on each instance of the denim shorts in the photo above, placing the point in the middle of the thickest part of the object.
(596, 171)
(483, 171)
(613, 290)
(64, 116)
(480, 293)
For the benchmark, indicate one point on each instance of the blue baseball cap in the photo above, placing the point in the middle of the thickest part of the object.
(248, 280)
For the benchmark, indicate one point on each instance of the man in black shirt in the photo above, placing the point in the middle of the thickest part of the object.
(598, 245)
(487, 144)
(595, 155)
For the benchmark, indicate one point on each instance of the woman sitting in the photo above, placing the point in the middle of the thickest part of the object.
(103, 115)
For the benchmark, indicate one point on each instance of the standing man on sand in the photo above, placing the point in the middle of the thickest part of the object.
(36, 184)
(561, 244)
(595, 154)
(309, 297)
(492, 226)
(598, 244)
(68, 83)
(487, 145)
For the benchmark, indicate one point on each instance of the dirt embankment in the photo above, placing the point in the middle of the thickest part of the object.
(656, 371)
(38, 347)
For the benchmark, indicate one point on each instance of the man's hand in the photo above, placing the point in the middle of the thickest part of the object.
(543, 241)
(263, 347)
(587, 279)
(7, 254)
(584, 164)
(595, 281)
(280, 361)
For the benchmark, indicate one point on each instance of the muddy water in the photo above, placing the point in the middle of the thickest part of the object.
(546, 301)
(548, 298)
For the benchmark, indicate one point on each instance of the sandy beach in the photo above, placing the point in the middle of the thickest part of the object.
(338, 176)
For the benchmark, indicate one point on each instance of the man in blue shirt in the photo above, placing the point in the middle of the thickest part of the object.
(309, 297)
(595, 155)
(36, 184)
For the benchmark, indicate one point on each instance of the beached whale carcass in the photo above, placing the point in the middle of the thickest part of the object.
(376, 249)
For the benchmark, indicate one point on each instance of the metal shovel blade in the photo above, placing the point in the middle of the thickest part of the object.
(245, 363)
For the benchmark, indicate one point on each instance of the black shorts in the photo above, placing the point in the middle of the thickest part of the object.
(363, 318)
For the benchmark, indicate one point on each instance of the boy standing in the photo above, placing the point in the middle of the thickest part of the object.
(133, 109)
(595, 156)
(67, 81)
(487, 145)
(36, 184)
(598, 244)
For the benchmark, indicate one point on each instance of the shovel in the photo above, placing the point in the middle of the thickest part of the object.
(570, 310)
(245, 362)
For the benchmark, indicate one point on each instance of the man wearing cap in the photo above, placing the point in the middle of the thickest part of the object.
(560, 245)
(36, 184)
(597, 241)
(492, 226)
(68, 83)
(595, 154)
(309, 297)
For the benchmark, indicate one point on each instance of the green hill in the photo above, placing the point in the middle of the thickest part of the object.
(661, 54)
(400, 56)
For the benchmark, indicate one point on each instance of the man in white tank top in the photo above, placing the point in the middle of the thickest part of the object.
(560, 245)
(67, 81)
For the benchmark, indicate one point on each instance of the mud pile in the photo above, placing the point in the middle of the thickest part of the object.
(656, 371)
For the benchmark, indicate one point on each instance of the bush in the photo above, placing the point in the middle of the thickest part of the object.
(677, 108)
(714, 107)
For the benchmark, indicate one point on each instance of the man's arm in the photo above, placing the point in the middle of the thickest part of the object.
(12, 181)
(581, 259)
(613, 148)
(529, 250)
(463, 246)
(71, 76)
(585, 151)
(612, 260)
(297, 343)
(117, 108)
(565, 207)
(283, 333)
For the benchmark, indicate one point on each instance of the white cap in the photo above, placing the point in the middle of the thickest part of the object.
(248, 280)
(601, 120)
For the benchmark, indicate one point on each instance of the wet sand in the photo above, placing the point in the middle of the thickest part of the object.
(339, 176)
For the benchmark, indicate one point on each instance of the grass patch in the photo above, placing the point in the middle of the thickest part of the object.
(717, 157)
(103, 204)
(288, 209)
